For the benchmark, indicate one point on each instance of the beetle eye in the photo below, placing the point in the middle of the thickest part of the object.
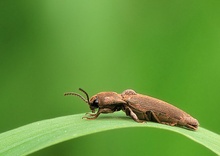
(95, 103)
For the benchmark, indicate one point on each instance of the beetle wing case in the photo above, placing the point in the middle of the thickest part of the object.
(152, 109)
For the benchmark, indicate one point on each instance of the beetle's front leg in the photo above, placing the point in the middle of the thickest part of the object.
(91, 116)
(130, 113)
(101, 110)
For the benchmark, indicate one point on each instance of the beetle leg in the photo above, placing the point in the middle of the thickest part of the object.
(94, 116)
(130, 113)
(155, 118)
(167, 123)
(151, 114)
(191, 127)
(91, 116)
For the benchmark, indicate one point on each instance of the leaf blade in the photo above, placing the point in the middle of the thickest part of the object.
(35, 136)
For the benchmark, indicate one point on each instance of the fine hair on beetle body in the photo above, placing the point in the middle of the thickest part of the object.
(139, 107)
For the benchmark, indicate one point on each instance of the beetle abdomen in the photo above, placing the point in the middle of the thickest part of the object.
(152, 109)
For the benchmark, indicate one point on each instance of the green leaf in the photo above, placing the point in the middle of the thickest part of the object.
(35, 136)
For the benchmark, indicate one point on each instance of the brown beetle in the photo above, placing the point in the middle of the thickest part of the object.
(139, 107)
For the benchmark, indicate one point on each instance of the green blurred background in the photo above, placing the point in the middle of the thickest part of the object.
(166, 49)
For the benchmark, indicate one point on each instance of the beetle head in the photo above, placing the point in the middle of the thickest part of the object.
(93, 102)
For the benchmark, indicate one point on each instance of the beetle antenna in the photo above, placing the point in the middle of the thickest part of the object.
(87, 96)
(75, 94)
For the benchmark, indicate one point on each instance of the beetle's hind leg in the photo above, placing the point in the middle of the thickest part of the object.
(191, 127)
(153, 117)
(130, 113)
